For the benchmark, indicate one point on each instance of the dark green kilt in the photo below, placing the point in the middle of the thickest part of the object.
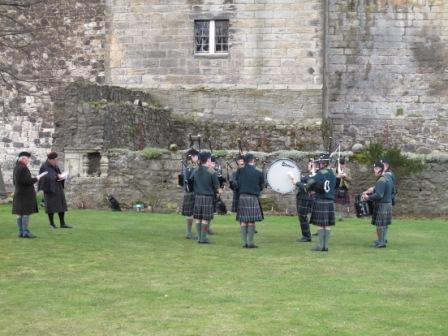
(382, 214)
(203, 207)
(249, 210)
(322, 212)
(304, 205)
(188, 204)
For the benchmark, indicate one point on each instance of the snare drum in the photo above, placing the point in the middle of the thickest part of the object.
(277, 175)
(363, 208)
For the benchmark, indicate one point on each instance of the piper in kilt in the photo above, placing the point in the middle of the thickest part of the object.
(322, 210)
(304, 203)
(390, 174)
(206, 186)
(216, 170)
(234, 185)
(250, 182)
(381, 195)
(343, 179)
(188, 200)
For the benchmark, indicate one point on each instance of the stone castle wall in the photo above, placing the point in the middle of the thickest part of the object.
(273, 69)
(387, 65)
(69, 44)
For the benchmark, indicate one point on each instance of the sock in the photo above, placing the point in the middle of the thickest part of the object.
(320, 233)
(61, 218)
(189, 226)
(381, 240)
(51, 218)
(326, 238)
(243, 230)
(385, 233)
(204, 230)
(305, 228)
(198, 230)
(250, 234)
(19, 225)
(25, 221)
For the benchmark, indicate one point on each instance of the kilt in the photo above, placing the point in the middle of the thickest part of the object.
(235, 202)
(188, 204)
(382, 214)
(303, 205)
(322, 212)
(249, 209)
(203, 207)
(342, 196)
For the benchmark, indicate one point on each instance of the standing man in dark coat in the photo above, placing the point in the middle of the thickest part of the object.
(250, 182)
(24, 202)
(53, 187)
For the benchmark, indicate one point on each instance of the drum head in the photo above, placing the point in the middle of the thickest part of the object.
(278, 178)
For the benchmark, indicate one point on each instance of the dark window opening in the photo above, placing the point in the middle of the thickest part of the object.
(93, 164)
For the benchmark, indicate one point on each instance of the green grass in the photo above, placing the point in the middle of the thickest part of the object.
(134, 274)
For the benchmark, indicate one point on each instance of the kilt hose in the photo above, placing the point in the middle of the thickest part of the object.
(203, 207)
(342, 196)
(322, 212)
(188, 204)
(382, 214)
(249, 209)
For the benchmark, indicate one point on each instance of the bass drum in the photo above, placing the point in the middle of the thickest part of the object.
(277, 175)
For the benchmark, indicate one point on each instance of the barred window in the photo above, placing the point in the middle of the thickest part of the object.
(211, 36)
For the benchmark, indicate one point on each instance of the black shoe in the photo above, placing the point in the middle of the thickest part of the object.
(53, 226)
(252, 246)
(29, 235)
(304, 240)
(20, 235)
(380, 246)
(65, 226)
(206, 241)
(318, 249)
(244, 246)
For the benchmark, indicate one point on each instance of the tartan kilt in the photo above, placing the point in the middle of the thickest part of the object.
(249, 209)
(382, 214)
(342, 196)
(188, 204)
(234, 202)
(322, 212)
(204, 207)
(303, 205)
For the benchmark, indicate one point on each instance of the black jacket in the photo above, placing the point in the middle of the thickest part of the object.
(24, 201)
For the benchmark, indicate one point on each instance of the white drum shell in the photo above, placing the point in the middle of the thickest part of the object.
(278, 177)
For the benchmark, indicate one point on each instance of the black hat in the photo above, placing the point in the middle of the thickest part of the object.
(379, 164)
(213, 158)
(24, 153)
(324, 157)
(192, 152)
(342, 161)
(204, 156)
(248, 158)
(52, 155)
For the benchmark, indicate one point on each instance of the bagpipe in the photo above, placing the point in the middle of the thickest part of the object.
(363, 208)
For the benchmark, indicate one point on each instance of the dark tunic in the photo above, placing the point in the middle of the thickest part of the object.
(382, 198)
(250, 184)
(324, 184)
(24, 201)
(53, 189)
(206, 186)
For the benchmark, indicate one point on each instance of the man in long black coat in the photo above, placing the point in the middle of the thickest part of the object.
(24, 202)
(53, 187)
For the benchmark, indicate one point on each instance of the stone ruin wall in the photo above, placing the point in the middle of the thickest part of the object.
(387, 64)
(132, 178)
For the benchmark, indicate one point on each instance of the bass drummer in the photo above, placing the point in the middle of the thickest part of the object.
(304, 203)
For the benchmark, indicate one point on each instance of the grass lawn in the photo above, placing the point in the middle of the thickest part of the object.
(135, 274)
